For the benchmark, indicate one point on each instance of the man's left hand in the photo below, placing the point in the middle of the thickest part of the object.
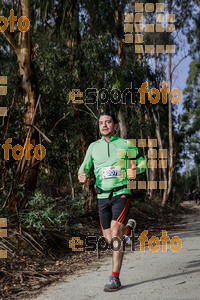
(131, 173)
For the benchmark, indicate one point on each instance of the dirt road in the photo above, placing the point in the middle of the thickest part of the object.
(144, 275)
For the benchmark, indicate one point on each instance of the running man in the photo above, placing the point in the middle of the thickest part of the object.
(114, 197)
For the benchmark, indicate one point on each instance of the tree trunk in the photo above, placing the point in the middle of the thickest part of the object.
(160, 145)
(197, 166)
(121, 56)
(152, 173)
(171, 150)
(73, 41)
(27, 169)
(69, 168)
(122, 125)
(119, 31)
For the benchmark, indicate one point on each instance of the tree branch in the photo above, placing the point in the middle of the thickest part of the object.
(42, 134)
(181, 61)
(59, 121)
(11, 40)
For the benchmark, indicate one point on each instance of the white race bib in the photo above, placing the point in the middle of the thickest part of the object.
(110, 172)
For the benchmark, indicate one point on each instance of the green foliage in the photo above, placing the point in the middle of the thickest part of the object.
(189, 122)
(43, 213)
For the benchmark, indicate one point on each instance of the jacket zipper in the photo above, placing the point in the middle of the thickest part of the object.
(108, 150)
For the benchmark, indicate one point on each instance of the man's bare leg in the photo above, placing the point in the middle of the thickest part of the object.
(117, 230)
(107, 235)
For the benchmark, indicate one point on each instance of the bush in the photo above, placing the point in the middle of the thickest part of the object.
(44, 213)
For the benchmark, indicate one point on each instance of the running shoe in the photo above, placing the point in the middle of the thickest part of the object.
(132, 224)
(113, 285)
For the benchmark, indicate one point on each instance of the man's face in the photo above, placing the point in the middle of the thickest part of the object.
(107, 126)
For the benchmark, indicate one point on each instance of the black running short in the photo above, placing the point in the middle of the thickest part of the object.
(115, 209)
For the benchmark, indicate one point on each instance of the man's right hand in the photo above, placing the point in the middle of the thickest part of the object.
(82, 176)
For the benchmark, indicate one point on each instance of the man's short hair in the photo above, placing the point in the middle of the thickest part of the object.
(105, 113)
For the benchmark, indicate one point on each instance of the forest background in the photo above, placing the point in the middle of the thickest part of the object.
(77, 44)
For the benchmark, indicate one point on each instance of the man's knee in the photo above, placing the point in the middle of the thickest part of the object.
(107, 235)
(117, 230)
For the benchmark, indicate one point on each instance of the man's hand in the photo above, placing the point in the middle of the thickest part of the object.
(82, 176)
(137, 170)
(131, 173)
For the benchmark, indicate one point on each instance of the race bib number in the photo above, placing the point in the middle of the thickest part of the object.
(110, 172)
